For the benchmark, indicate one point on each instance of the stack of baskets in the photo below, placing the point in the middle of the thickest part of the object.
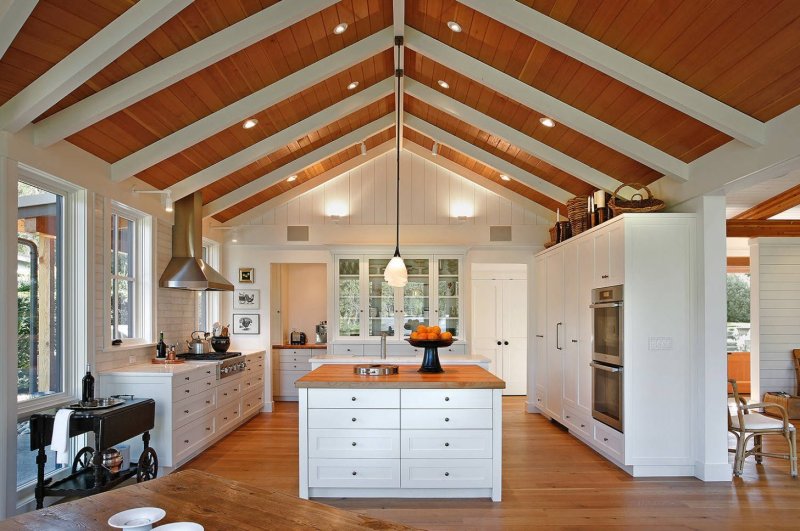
(577, 207)
(637, 202)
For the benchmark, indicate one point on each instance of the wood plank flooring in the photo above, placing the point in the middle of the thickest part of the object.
(549, 479)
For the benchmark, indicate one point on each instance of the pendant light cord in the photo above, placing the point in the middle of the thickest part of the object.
(399, 74)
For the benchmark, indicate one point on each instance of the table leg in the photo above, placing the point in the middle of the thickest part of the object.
(97, 462)
(41, 459)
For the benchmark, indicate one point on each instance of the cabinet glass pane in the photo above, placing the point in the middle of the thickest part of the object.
(349, 297)
(416, 295)
(449, 291)
(381, 299)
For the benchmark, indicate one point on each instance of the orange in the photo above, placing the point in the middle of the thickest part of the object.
(447, 336)
(414, 335)
(422, 336)
(433, 335)
(422, 329)
(435, 329)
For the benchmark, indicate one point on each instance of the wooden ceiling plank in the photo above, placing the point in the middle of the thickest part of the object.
(761, 228)
(537, 183)
(480, 120)
(88, 59)
(773, 206)
(535, 99)
(626, 69)
(255, 102)
(280, 139)
(13, 15)
(265, 181)
(173, 68)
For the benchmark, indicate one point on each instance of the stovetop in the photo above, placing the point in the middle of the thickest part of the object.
(208, 356)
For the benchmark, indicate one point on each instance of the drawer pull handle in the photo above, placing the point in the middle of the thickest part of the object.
(224, 418)
(447, 474)
(447, 444)
(185, 410)
(354, 443)
(208, 401)
(186, 391)
(353, 419)
(186, 378)
(447, 419)
(186, 441)
(447, 399)
(567, 416)
(208, 372)
(583, 425)
(354, 472)
(353, 399)
(605, 439)
(226, 394)
(208, 429)
(604, 276)
(248, 405)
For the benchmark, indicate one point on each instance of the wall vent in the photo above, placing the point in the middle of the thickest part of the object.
(297, 233)
(500, 233)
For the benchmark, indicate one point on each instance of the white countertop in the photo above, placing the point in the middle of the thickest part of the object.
(166, 370)
(452, 359)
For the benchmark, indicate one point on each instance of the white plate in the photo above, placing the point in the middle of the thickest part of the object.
(181, 526)
(140, 519)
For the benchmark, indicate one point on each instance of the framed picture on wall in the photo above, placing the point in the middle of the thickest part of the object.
(246, 299)
(247, 275)
(246, 323)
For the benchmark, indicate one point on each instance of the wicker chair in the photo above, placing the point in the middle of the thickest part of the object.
(746, 425)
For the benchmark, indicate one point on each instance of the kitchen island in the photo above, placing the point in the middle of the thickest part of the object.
(407, 435)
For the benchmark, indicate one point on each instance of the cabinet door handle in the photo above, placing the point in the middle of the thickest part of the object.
(447, 444)
(447, 419)
(186, 378)
(604, 276)
(354, 443)
(505, 342)
(558, 345)
(574, 340)
(447, 474)
(185, 410)
(499, 343)
(353, 419)
(539, 335)
(354, 472)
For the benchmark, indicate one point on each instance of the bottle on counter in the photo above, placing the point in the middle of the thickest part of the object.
(161, 347)
(87, 392)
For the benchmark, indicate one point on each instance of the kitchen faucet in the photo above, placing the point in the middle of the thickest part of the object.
(383, 345)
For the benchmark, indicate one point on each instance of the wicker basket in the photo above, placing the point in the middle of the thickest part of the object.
(642, 204)
(576, 212)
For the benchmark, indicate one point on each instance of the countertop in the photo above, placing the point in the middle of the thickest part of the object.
(454, 377)
(194, 496)
(166, 370)
(445, 359)
(308, 345)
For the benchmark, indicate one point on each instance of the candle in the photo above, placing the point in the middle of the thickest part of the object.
(600, 198)
(589, 205)
(558, 215)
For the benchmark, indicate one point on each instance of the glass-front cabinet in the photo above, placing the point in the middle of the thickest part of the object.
(367, 305)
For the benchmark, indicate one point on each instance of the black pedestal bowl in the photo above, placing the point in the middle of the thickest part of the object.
(430, 360)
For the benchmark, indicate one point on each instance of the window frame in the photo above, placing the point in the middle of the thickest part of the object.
(212, 254)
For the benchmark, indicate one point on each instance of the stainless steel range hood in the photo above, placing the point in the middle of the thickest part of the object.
(187, 269)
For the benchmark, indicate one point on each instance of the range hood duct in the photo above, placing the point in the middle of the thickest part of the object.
(187, 269)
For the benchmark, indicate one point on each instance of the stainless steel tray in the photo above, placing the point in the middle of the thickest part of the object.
(98, 403)
(375, 370)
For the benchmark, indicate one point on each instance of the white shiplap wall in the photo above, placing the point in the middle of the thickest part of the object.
(429, 195)
(775, 310)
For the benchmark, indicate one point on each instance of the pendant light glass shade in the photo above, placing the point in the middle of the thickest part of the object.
(396, 274)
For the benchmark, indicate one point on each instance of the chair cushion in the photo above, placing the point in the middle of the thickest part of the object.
(757, 421)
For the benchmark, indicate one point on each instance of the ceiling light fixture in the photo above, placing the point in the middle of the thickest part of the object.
(291, 178)
(352, 85)
(363, 149)
(547, 122)
(444, 84)
(339, 28)
(505, 177)
(396, 274)
(455, 26)
(250, 123)
(435, 149)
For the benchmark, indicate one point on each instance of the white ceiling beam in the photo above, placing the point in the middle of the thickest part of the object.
(249, 105)
(626, 69)
(321, 153)
(399, 24)
(503, 166)
(494, 127)
(280, 139)
(13, 14)
(133, 25)
(310, 184)
(172, 69)
(542, 102)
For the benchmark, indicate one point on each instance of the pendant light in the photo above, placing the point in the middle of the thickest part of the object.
(396, 274)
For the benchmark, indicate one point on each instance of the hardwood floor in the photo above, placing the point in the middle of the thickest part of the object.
(549, 479)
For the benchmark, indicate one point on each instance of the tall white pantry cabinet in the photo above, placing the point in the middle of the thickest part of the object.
(653, 257)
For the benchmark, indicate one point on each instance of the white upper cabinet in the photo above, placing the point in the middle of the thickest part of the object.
(609, 257)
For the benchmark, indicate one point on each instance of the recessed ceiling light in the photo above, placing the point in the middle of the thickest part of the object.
(505, 177)
(547, 122)
(444, 84)
(352, 85)
(249, 123)
(455, 26)
(291, 178)
(339, 28)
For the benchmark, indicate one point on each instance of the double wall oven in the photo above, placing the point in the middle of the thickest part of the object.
(608, 356)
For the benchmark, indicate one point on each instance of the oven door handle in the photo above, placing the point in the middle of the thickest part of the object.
(606, 305)
(605, 367)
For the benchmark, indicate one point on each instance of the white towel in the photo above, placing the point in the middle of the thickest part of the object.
(60, 441)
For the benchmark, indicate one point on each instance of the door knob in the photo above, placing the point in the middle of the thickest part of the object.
(505, 342)
(499, 343)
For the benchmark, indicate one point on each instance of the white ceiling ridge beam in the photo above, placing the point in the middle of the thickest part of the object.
(480, 180)
(626, 69)
(309, 185)
(542, 102)
(13, 14)
(280, 139)
(503, 166)
(105, 46)
(172, 69)
(399, 25)
(291, 168)
(249, 105)
(488, 124)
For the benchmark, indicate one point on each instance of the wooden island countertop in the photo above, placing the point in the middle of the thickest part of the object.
(454, 377)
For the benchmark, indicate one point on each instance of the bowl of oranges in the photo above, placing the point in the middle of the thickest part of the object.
(430, 336)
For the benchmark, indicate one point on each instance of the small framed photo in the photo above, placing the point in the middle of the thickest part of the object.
(247, 275)
(246, 323)
(246, 299)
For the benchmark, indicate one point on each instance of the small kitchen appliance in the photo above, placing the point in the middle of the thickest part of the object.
(297, 338)
(322, 333)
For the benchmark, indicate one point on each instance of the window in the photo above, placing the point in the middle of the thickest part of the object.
(738, 287)
(208, 301)
(123, 286)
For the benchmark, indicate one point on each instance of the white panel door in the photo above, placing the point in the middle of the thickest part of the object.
(585, 330)
(616, 255)
(515, 336)
(486, 332)
(602, 275)
(570, 327)
(540, 345)
(555, 334)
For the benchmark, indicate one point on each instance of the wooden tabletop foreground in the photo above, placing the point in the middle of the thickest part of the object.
(194, 496)
(454, 377)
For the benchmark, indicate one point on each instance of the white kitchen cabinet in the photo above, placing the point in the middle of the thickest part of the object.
(570, 344)
(540, 343)
(609, 257)
(289, 365)
(555, 334)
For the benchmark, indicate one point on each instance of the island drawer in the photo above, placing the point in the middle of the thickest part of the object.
(446, 398)
(190, 437)
(609, 440)
(295, 366)
(373, 473)
(184, 378)
(193, 388)
(446, 419)
(229, 391)
(227, 414)
(378, 419)
(577, 422)
(294, 358)
(348, 350)
(194, 407)
(446, 473)
(367, 444)
(452, 444)
(353, 398)
(453, 349)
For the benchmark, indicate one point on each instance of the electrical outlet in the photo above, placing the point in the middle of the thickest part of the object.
(131, 360)
(659, 343)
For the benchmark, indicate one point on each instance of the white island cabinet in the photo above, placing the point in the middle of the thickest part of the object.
(409, 435)
(194, 408)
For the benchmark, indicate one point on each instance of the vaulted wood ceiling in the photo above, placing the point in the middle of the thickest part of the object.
(639, 90)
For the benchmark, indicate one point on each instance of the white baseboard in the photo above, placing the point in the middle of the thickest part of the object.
(269, 407)
(713, 471)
